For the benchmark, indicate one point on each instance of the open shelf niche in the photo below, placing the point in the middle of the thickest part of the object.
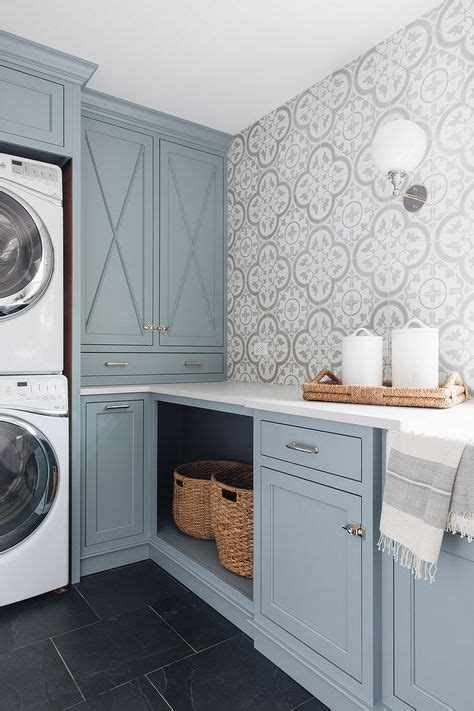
(186, 434)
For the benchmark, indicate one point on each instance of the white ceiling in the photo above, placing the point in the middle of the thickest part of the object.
(223, 63)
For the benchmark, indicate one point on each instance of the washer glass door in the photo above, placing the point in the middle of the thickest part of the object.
(26, 257)
(28, 480)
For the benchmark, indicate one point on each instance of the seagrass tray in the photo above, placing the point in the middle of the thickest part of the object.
(327, 387)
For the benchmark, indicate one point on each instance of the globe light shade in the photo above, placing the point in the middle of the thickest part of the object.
(398, 146)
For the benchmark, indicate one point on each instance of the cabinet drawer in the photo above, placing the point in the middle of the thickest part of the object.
(116, 364)
(31, 107)
(327, 451)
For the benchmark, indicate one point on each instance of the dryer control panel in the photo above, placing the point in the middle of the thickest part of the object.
(34, 393)
(45, 178)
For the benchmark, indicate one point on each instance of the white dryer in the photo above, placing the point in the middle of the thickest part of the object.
(34, 486)
(31, 266)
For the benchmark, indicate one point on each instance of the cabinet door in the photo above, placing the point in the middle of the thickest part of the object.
(31, 107)
(117, 235)
(311, 568)
(114, 471)
(434, 633)
(191, 247)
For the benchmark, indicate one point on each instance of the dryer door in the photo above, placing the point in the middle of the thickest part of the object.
(26, 256)
(29, 478)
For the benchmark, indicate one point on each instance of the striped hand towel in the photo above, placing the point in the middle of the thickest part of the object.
(429, 489)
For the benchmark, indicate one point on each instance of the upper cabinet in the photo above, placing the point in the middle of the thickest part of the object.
(117, 236)
(153, 246)
(39, 97)
(191, 294)
(31, 107)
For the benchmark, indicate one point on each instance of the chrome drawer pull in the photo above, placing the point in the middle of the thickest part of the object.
(117, 407)
(116, 363)
(355, 529)
(193, 363)
(302, 448)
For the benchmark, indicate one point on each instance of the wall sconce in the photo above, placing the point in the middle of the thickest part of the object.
(398, 148)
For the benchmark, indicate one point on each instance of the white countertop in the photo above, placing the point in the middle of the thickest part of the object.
(288, 400)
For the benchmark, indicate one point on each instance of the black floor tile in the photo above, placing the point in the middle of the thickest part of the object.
(41, 617)
(119, 649)
(200, 625)
(35, 678)
(231, 676)
(116, 591)
(136, 695)
(313, 705)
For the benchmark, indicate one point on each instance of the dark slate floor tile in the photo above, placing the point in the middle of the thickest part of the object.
(116, 591)
(119, 649)
(36, 679)
(198, 623)
(41, 617)
(231, 676)
(136, 695)
(313, 705)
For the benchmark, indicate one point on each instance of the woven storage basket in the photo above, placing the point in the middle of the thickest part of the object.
(192, 496)
(232, 518)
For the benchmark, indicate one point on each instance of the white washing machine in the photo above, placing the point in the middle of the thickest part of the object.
(34, 486)
(31, 266)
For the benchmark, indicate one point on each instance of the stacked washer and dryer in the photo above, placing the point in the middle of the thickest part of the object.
(34, 437)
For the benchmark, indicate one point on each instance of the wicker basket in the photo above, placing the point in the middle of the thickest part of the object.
(232, 518)
(450, 393)
(192, 496)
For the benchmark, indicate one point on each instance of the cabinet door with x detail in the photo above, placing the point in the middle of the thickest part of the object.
(191, 294)
(117, 257)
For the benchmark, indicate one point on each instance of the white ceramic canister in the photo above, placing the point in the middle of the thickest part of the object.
(362, 358)
(415, 356)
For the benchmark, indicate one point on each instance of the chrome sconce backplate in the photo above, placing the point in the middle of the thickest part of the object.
(415, 198)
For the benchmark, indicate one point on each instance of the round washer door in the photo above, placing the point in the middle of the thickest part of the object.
(29, 478)
(26, 256)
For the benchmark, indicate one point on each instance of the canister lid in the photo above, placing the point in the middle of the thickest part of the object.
(418, 329)
(368, 336)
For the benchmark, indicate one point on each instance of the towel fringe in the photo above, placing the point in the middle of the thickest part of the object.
(421, 569)
(461, 523)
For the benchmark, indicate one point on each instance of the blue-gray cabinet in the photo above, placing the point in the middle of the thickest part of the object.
(31, 107)
(433, 633)
(39, 99)
(311, 569)
(113, 466)
(317, 496)
(117, 261)
(153, 248)
(191, 294)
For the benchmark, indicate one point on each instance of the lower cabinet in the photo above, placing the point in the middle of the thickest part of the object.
(433, 633)
(317, 582)
(311, 568)
(113, 478)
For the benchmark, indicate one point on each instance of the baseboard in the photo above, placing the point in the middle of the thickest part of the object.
(97, 562)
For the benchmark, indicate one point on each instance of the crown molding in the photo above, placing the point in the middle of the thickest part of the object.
(95, 104)
(28, 55)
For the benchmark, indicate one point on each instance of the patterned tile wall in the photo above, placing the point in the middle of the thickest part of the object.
(319, 247)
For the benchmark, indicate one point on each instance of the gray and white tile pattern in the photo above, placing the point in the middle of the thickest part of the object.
(318, 246)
